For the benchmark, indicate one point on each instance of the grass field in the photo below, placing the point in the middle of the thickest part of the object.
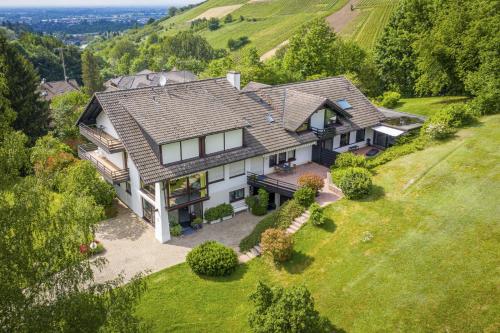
(426, 106)
(368, 26)
(432, 265)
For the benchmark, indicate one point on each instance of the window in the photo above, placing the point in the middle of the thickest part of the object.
(291, 155)
(360, 135)
(237, 195)
(236, 169)
(128, 188)
(171, 152)
(272, 160)
(233, 139)
(190, 148)
(344, 139)
(148, 211)
(343, 104)
(216, 174)
(148, 189)
(330, 115)
(214, 143)
(303, 127)
(282, 158)
(186, 189)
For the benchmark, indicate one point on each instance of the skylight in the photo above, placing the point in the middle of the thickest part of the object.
(269, 118)
(343, 104)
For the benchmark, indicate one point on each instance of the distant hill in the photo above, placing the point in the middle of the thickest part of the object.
(266, 23)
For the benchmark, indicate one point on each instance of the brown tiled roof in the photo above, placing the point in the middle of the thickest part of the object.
(197, 108)
(299, 106)
(363, 113)
(52, 89)
(253, 86)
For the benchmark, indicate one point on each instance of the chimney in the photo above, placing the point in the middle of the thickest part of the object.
(234, 78)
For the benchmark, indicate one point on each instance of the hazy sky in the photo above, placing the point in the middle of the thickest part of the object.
(93, 3)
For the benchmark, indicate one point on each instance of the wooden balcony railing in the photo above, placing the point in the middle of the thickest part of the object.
(101, 138)
(271, 184)
(107, 169)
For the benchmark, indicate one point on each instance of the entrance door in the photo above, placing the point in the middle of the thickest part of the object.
(148, 211)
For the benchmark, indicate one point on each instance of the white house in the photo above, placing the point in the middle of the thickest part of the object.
(173, 151)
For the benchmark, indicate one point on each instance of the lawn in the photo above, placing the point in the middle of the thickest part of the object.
(426, 106)
(432, 265)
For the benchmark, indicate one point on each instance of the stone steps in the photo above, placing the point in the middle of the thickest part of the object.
(293, 228)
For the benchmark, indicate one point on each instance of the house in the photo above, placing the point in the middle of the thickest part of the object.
(173, 151)
(49, 90)
(147, 78)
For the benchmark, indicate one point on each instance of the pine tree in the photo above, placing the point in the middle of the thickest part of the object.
(21, 90)
(92, 80)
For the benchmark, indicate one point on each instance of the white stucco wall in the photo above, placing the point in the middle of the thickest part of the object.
(302, 156)
(318, 119)
(352, 141)
(133, 200)
(103, 122)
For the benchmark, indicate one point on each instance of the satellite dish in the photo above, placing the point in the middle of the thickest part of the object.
(163, 80)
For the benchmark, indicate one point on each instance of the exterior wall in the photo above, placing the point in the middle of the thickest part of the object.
(103, 122)
(318, 119)
(132, 200)
(302, 156)
(352, 141)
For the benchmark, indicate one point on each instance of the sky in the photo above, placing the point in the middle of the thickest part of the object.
(94, 3)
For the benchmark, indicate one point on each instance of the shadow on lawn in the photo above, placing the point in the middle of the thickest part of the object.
(298, 263)
(377, 192)
(235, 276)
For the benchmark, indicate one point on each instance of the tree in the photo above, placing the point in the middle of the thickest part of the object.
(46, 285)
(92, 80)
(81, 178)
(186, 44)
(279, 310)
(213, 23)
(65, 110)
(20, 89)
(172, 11)
(228, 18)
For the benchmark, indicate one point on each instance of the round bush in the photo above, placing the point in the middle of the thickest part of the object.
(277, 244)
(311, 180)
(354, 182)
(305, 196)
(316, 217)
(212, 259)
(349, 159)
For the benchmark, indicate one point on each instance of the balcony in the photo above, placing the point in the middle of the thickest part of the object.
(97, 136)
(108, 170)
(271, 184)
(324, 133)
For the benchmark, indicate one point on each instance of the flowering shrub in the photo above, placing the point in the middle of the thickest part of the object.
(311, 180)
(277, 244)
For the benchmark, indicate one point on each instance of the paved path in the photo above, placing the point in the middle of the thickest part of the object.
(131, 247)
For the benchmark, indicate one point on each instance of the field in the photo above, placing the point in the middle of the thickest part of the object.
(432, 265)
(425, 106)
(368, 26)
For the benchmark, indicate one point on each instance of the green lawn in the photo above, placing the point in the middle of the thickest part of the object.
(426, 106)
(432, 265)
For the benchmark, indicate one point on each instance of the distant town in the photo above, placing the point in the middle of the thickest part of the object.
(77, 25)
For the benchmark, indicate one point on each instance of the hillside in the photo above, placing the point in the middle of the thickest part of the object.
(267, 23)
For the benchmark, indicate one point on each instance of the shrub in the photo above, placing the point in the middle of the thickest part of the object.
(196, 223)
(175, 230)
(228, 18)
(251, 201)
(311, 180)
(349, 159)
(288, 212)
(225, 209)
(277, 244)
(354, 182)
(213, 24)
(305, 196)
(258, 210)
(212, 214)
(263, 197)
(438, 127)
(396, 151)
(254, 238)
(286, 310)
(389, 99)
(212, 259)
(316, 217)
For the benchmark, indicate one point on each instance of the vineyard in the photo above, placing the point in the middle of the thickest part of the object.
(367, 27)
